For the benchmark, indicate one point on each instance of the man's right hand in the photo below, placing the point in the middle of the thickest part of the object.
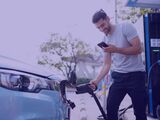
(93, 84)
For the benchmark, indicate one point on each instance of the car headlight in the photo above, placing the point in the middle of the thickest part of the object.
(26, 82)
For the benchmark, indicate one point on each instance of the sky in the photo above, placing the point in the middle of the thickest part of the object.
(25, 24)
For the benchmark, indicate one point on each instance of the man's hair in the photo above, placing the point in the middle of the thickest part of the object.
(99, 15)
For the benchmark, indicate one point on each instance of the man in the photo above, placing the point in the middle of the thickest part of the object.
(123, 56)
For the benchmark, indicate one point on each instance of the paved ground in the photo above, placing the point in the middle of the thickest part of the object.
(86, 108)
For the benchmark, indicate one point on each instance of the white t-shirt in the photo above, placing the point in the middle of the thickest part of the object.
(121, 38)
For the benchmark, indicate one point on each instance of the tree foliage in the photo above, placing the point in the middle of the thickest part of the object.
(62, 53)
(132, 13)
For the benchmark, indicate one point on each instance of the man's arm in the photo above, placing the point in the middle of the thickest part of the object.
(105, 69)
(133, 49)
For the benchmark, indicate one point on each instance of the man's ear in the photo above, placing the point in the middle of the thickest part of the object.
(107, 18)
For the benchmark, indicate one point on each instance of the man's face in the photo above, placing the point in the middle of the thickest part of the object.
(104, 25)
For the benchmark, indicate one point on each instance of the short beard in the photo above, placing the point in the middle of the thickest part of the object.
(108, 31)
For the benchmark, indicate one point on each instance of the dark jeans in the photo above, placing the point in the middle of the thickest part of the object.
(133, 84)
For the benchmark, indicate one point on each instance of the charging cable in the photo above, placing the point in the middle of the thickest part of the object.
(149, 83)
(150, 69)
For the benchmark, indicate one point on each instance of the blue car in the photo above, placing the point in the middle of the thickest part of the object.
(29, 93)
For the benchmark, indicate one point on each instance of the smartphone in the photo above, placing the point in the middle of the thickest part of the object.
(102, 44)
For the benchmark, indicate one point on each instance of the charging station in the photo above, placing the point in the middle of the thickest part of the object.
(152, 60)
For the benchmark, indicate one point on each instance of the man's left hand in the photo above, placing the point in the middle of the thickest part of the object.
(110, 49)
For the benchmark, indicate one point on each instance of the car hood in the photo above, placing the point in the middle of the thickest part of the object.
(13, 64)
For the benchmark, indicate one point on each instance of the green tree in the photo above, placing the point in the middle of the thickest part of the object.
(132, 13)
(62, 53)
